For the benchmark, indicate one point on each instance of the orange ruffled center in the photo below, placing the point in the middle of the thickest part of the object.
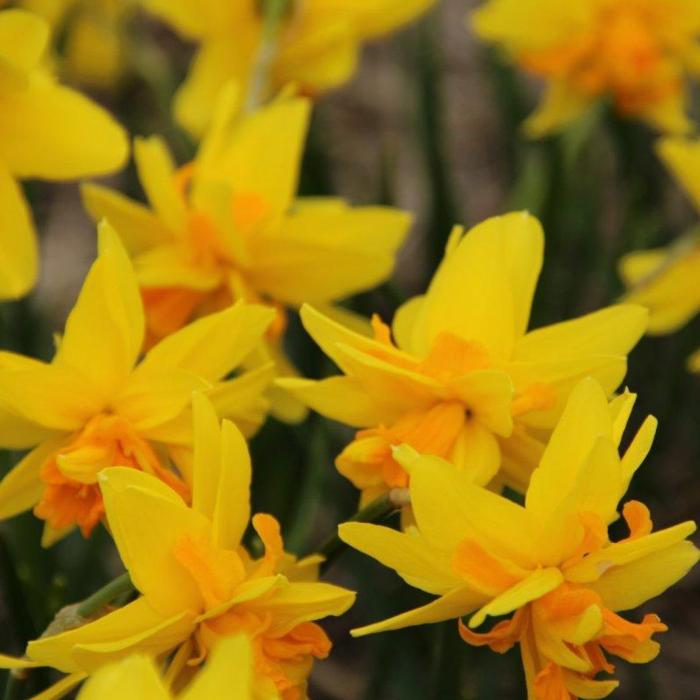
(283, 655)
(552, 625)
(71, 494)
(628, 54)
(368, 460)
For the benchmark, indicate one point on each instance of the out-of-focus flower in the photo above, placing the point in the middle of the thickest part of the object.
(666, 280)
(197, 582)
(317, 48)
(95, 406)
(228, 672)
(46, 131)
(465, 380)
(92, 36)
(550, 562)
(227, 226)
(639, 54)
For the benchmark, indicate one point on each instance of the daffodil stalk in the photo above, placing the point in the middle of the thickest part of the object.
(273, 12)
(105, 595)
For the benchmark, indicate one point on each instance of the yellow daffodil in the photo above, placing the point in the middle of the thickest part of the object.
(92, 36)
(639, 54)
(82, 140)
(197, 582)
(550, 562)
(96, 406)
(227, 226)
(666, 281)
(462, 378)
(317, 48)
(229, 672)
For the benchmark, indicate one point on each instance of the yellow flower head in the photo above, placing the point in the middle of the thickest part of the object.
(136, 677)
(638, 54)
(197, 582)
(666, 281)
(549, 563)
(227, 226)
(317, 48)
(92, 35)
(462, 378)
(82, 140)
(95, 405)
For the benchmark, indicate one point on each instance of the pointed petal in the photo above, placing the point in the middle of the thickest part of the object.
(406, 326)
(487, 394)
(682, 157)
(135, 677)
(560, 106)
(23, 38)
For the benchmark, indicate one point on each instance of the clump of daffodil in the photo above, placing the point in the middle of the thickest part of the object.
(638, 54)
(92, 36)
(666, 281)
(96, 405)
(548, 564)
(82, 140)
(197, 583)
(227, 226)
(317, 45)
(462, 378)
(229, 671)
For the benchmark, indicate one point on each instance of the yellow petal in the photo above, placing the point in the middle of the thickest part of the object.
(134, 677)
(319, 255)
(157, 175)
(166, 266)
(18, 248)
(207, 456)
(670, 115)
(146, 526)
(452, 605)
(61, 688)
(212, 346)
(560, 106)
(23, 38)
(487, 395)
(135, 224)
(682, 157)
(409, 555)
(377, 18)
(406, 326)
(639, 447)
(537, 584)
(83, 138)
(583, 687)
(476, 453)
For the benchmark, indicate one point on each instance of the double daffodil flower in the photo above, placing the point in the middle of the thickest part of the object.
(549, 563)
(96, 405)
(47, 131)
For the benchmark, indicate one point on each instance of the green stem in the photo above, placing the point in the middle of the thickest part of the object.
(115, 588)
(376, 511)
(16, 684)
(273, 14)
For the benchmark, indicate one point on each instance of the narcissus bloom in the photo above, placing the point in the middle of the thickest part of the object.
(229, 670)
(317, 48)
(227, 226)
(549, 563)
(198, 584)
(96, 406)
(462, 378)
(666, 281)
(82, 140)
(639, 54)
(92, 34)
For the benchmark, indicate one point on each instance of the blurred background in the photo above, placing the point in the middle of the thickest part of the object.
(431, 124)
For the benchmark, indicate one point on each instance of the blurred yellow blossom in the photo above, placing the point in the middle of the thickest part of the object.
(318, 45)
(462, 378)
(198, 584)
(549, 562)
(95, 405)
(666, 281)
(227, 226)
(639, 54)
(46, 131)
(92, 36)
(229, 668)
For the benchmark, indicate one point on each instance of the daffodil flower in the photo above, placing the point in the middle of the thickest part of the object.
(197, 582)
(95, 405)
(639, 54)
(317, 48)
(462, 378)
(82, 140)
(227, 226)
(548, 563)
(666, 281)
(229, 670)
